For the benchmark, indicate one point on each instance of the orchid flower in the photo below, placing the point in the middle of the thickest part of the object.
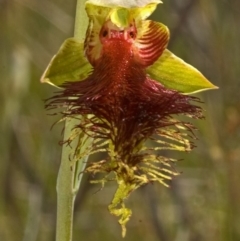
(128, 89)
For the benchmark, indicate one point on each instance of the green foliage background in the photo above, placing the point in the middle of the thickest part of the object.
(202, 204)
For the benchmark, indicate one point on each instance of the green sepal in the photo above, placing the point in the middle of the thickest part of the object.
(176, 74)
(69, 64)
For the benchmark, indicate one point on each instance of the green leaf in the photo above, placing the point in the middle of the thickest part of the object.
(176, 74)
(69, 64)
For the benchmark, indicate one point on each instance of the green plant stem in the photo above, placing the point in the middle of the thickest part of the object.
(70, 172)
(81, 21)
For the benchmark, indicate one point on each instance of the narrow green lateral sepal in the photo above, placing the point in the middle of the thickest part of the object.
(69, 64)
(174, 73)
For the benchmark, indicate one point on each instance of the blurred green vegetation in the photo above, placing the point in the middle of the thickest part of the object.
(203, 203)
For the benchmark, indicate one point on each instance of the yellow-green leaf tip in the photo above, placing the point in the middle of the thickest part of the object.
(174, 73)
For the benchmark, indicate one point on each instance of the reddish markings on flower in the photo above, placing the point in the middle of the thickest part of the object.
(151, 43)
(122, 107)
(126, 106)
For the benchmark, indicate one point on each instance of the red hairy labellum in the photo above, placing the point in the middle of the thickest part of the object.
(120, 105)
(126, 106)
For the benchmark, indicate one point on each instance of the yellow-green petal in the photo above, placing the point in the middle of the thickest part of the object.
(176, 74)
(69, 64)
(120, 17)
(97, 14)
(123, 3)
(142, 13)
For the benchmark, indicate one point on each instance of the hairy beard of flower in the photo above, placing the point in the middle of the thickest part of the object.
(123, 107)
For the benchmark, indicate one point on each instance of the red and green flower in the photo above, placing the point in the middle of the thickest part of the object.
(127, 88)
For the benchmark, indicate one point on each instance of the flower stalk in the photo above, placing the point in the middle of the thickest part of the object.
(70, 174)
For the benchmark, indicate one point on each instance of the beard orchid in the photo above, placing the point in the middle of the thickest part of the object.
(126, 88)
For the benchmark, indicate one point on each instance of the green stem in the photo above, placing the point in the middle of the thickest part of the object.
(81, 21)
(70, 172)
